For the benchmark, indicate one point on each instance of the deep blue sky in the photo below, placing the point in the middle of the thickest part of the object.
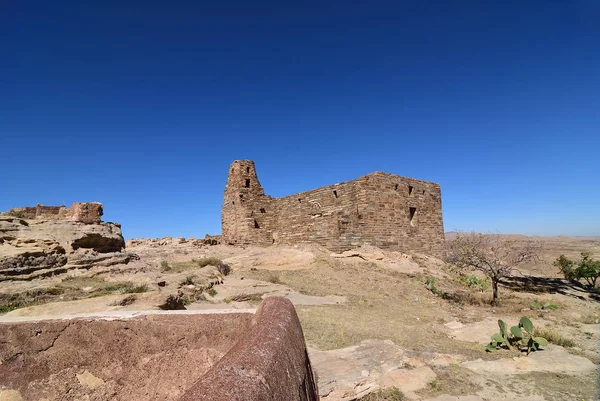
(143, 105)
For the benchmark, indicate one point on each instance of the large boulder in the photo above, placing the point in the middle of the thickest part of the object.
(51, 239)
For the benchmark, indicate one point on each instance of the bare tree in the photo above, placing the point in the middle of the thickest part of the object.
(494, 255)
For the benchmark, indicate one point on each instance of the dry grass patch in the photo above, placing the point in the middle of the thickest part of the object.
(178, 267)
(590, 319)
(382, 304)
(557, 386)
(210, 261)
(10, 302)
(554, 337)
(256, 297)
(387, 394)
(71, 288)
(466, 297)
(128, 300)
(451, 380)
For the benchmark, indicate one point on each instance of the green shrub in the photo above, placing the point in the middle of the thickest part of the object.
(11, 306)
(430, 285)
(586, 268)
(164, 266)
(548, 305)
(212, 292)
(474, 282)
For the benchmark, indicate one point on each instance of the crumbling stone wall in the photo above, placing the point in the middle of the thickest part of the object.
(84, 212)
(381, 209)
(87, 212)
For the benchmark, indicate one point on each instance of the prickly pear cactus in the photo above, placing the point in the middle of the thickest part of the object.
(527, 340)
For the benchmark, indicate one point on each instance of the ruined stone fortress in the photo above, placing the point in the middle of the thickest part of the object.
(381, 209)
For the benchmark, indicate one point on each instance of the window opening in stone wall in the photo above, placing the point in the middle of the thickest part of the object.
(247, 169)
(262, 210)
(410, 189)
(300, 200)
(412, 211)
(335, 193)
(241, 196)
(233, 202)
(396, 187)
(423, 192)
(256, 224)
(247, 183)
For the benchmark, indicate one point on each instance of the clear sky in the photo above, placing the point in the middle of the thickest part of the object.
(143, 105)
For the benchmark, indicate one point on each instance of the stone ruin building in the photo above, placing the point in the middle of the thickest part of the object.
(381, 209)
(84, 212)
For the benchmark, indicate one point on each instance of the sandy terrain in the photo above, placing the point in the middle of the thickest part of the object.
(368, 318)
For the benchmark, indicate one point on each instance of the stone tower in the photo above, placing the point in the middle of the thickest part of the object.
(242, 193)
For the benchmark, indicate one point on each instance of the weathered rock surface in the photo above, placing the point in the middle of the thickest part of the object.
(352, 372)
(51, 239)
(146, 357)
(552, 359)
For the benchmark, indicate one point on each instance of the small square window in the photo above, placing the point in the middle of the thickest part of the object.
(247, 183)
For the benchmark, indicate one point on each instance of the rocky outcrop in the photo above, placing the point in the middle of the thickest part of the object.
(44, 240)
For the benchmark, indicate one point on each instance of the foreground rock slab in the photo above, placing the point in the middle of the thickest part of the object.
(173, 355)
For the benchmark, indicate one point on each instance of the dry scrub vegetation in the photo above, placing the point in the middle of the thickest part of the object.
(71, 288)
(387, 304)
(382, 304)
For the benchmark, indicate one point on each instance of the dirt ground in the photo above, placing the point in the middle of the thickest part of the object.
(370, 317)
